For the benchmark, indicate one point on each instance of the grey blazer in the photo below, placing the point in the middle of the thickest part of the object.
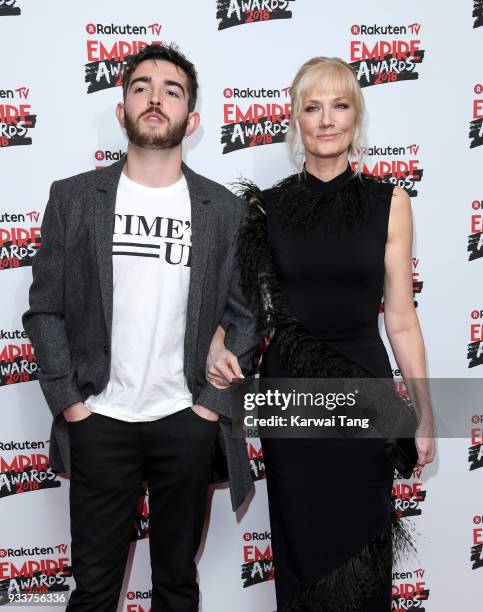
(71, 299)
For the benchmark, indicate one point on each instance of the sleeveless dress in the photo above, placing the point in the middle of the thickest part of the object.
(330, 499)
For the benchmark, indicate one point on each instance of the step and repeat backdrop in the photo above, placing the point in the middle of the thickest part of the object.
(420, 68)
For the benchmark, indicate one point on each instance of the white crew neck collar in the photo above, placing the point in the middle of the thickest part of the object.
(179, 185)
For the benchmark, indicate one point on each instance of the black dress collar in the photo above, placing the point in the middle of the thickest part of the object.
(320, 186)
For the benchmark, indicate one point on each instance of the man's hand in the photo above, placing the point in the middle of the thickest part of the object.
(205, 413)
(221, 365)
(76, 412)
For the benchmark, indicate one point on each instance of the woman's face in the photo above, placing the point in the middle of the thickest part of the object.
(327, 123)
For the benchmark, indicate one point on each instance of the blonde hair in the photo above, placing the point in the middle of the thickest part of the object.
(335, 75)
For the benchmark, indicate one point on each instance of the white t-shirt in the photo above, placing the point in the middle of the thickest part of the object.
(151, 254)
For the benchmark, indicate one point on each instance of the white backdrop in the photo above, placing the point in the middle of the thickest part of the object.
(425, 116)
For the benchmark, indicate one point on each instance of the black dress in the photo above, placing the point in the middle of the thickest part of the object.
(330, 499)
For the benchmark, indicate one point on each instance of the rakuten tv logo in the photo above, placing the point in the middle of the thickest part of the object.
(26, 473)
(16, 118)
(476, 555)
(409, 591)
(385, 60)
(105, 157)
(475, 451)
(476, 123)
(18, 362)
(475, 346)
(19, 239)
(260, 123)
(478, 13)
(475, 239)
(257, 558)
(257, 464)
(133, 596)
(399, 165)
(106, 59)
(239, 12)
(9, 8)
(45, 574)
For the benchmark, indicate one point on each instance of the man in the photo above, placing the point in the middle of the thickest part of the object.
(136, 269)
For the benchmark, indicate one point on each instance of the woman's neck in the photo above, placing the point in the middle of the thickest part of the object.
(326, 168)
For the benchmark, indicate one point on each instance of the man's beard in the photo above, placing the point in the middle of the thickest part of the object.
(151, 139)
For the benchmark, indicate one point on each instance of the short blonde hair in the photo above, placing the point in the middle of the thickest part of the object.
(325, 74)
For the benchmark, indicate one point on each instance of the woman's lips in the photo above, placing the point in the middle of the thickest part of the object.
(327, 136)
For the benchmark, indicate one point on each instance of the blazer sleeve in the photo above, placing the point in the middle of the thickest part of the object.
(44, 321)
(241, 338)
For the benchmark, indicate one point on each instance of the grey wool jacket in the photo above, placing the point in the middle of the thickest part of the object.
(71, 300)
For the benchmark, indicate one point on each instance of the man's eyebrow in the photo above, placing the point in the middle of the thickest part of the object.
(140, 79)
(175, 84)
(148, 79)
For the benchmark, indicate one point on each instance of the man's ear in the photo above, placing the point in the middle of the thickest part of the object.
(193, 123)
(120, 114)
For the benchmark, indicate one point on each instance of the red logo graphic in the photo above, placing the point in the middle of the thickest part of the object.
(386, 60)
(475, 239)
(16, 118)
(239, 12)
(257, 560)
(106, 60)
(476, 123)
(257, 124)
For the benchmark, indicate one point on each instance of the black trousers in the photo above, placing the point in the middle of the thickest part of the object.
(110, 460)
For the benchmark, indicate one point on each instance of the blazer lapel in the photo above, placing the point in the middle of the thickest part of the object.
(201, 235)
(106, 182)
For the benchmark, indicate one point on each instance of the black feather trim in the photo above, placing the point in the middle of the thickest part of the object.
(300, 208)
(361, 577)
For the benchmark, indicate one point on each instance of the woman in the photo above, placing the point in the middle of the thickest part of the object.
(336, 241)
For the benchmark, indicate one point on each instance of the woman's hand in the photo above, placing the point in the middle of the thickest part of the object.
(425, 446)
(221, 365)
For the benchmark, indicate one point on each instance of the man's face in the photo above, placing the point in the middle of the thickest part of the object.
(155, 112)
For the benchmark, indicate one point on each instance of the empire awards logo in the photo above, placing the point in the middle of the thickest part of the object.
(16, 118)
(409, 590)
(408, 496)
(257, 558)
(476, 123)
(250, 124)
(475, 451)
(18, 362)
(476, 555)
(34, 569)
(398, 165)
(382, 54)
(255, 455)
(240, 12)
(19, 239)
(106, 58)
(475, 239)
(475, 346)
(25, 472)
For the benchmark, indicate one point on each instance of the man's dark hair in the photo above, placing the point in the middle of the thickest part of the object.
(168, 53)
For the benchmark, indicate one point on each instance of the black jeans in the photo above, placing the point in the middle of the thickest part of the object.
(110, 459)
